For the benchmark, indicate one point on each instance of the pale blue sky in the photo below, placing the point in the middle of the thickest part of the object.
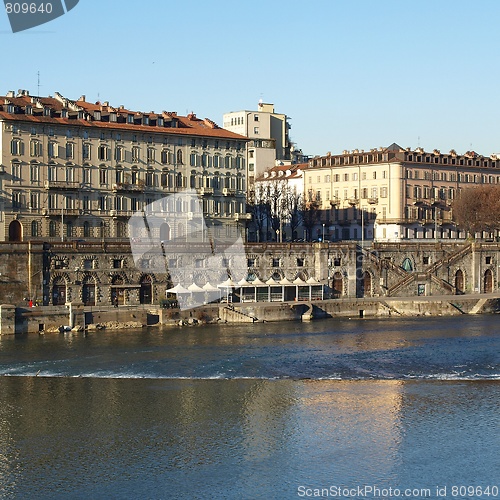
(351, 74)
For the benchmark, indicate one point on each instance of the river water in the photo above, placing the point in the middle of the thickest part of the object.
(329, 408)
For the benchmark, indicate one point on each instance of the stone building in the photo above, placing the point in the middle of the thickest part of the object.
(78, 170)
(394, 194)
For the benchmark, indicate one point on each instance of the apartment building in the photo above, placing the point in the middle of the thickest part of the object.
(268, 133)
(393, 194)
(78, 170)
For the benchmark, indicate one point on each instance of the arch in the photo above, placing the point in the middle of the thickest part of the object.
(488, 281)
(15, 231)
(59, 291)
(88, 291)
(459, 282)
(165, 232)
(337, 285)
(146, 291)
(367, 284)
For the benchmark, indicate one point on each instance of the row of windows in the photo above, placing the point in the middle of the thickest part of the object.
(452, 177)
(346, 177)
(120, 203)
(54, 150)
(118, 136)
(484, 162)
(366, 193)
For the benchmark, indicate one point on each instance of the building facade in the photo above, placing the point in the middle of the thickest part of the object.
(79, 170)
(394, 194)
(269, 139)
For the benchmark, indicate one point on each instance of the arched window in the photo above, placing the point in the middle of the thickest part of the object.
(179, 157)
(15, 231)
(34, 228)
(86, 229)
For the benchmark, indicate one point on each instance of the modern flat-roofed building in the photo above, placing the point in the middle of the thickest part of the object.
(78, 170)
(394, 194)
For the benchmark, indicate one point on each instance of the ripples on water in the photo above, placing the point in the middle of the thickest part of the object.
(251, 411)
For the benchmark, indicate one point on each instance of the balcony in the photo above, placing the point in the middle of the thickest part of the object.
(228, 192)
(372, 201)
(206, 191)
(242, 216)
(335, 202)
(126, 186)
(353, 201)
(57, 212)
(65, 185)
(121, 213)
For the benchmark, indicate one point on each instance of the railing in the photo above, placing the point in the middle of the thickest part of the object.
(204, 191)
(68, 185)
(126, 186)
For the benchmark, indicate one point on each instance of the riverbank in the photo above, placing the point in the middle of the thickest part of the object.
(77, 317)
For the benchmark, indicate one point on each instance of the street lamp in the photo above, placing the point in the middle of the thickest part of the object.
(323, 238)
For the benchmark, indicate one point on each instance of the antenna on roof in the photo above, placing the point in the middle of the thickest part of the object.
(38, 84)
(418, 142)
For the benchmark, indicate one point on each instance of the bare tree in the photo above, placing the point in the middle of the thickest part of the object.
(310, 216)
(293, 210)
(478, 209)
(258, 206)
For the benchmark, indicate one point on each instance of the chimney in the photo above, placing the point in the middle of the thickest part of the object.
(11, 93)
(82, 98)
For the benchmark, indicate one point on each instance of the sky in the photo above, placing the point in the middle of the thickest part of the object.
(349, 73)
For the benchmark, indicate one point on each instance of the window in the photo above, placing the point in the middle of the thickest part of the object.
(34, 200)
(164, 156)
(136, 153)
(70, 149)
(52, 229)
(276, 262)
(34, 228)
(86, 176)
(256, 130)
(255, 118)
(375, 175)
(35, 148)
(250, 262)
(117, 263)
(103, 153)
(119, 157)
(16, 147)
(52, 149)
(300, 262)
(151, 155)
(103, 176)
(34, 173)
(86, 151)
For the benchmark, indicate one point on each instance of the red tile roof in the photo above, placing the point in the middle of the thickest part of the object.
(186, 125)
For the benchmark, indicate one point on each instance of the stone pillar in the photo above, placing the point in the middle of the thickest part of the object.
(7, 319)
(76, 314)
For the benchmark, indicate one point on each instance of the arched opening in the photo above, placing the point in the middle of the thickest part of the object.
(164, 232)
(367, 284)
(88, 291)
(59, 291)
(86, 229)
(117, 291)
(337, 285)
(146, 291)
(488, 281)
(459, 282)
(15, 231)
